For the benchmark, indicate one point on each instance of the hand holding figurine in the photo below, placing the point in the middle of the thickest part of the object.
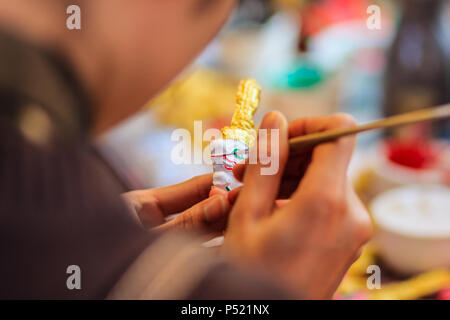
(308, 244)
(191, 199)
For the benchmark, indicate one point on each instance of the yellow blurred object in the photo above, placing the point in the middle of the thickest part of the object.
(356, 278)
(242, 127)
(363, 185)
(201, 95)
(351, 284)
(420, 286)
(367, 258)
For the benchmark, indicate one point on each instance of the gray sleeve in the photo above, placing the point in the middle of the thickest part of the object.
(176, 266)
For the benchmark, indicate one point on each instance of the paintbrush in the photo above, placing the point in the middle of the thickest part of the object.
(428, 114)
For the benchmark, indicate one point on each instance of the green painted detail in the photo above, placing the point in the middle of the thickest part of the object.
(237, 155)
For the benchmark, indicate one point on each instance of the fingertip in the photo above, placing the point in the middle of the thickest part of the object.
(216, 191)
(217, 207)
(274, 120)
(345, 120)
(278, 125)
(297, 128)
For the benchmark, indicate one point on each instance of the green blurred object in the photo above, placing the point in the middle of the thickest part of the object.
(303, 75)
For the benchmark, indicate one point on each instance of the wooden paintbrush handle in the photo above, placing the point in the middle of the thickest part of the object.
(429, 114)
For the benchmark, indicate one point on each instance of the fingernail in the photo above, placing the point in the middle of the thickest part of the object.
(215, 191)
(272, 120)
(216, 208)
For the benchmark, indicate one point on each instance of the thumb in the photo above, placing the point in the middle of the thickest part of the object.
(210, 215)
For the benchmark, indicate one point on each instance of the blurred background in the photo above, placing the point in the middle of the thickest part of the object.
(366, 58)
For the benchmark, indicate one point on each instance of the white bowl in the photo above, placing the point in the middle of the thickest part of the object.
(413, 227)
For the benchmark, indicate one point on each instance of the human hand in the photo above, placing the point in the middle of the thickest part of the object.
(198, 211)
(309, 242)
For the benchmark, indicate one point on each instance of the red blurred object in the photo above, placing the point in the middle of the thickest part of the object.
(444, 294)
(317, 15)
(416, 154)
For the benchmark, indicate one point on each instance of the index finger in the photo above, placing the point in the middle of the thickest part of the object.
(257, 196)
(327, 170)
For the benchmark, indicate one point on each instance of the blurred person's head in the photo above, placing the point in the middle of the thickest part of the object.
(126, 51)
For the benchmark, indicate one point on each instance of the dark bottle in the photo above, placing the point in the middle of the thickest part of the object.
(416, 71)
